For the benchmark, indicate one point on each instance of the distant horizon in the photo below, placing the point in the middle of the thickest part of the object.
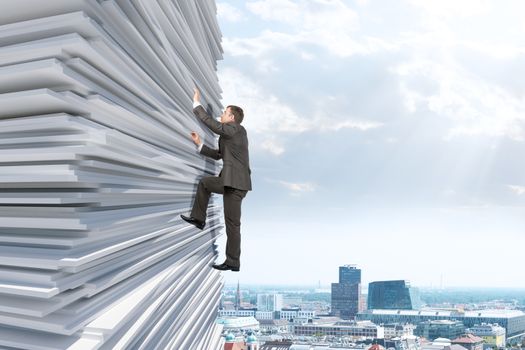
(306, 286)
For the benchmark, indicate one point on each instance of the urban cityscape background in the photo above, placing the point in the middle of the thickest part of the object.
(390, 314)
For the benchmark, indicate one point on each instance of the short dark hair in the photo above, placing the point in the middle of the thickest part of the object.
(237, 112)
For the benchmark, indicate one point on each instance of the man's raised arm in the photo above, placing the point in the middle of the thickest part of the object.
(225, 129)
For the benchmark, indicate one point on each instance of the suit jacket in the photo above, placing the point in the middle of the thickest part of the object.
(233, 150)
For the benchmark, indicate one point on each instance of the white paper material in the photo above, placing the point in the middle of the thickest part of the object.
(96, 165)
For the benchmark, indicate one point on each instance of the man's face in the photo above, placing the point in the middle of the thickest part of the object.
(227, 116)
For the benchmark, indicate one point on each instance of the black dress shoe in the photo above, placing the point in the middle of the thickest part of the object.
(224, 267)
(190, 219)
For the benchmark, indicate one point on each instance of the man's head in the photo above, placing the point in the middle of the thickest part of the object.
(232, 114)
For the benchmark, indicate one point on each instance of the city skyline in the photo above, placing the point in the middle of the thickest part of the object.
(364, 288)
(384, 135)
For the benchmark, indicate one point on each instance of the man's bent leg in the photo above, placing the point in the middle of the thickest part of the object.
(207, 186)
(232, 217)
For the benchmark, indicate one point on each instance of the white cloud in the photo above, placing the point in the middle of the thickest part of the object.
(327, 24)
(276, 10)
(349, 124)
(228, 12)
(476, 106)
(307, 56)
(266, 113)
(519, 190)
(258, 46)
(430, 78)
(314, 16)
(273, 146)
(502, 51)
(298, 188)
(452, 8)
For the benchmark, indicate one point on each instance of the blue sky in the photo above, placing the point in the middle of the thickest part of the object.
(384, 134)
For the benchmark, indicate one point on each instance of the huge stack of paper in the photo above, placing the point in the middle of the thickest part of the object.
(96, 164)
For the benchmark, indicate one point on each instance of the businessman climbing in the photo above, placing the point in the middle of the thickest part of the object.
(233, 181)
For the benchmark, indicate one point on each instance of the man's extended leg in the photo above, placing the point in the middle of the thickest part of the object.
(232, 217)
(207, 186)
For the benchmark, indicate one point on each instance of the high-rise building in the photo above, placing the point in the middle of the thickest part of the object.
(393, 295)
(269, 302)
(346, 295)
(349, 274)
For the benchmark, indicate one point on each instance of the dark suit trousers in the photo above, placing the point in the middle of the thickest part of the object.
(232, 199)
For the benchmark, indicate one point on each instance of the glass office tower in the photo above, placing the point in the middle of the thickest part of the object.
(346, 295)
(392, 295)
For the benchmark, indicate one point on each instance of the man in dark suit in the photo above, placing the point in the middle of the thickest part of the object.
(233, 181)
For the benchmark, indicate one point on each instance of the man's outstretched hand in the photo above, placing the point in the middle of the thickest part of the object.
(196, 138)
(196, 95)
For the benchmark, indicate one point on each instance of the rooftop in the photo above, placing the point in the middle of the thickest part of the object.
(468, 339)
(234, 346)
(442, 322)
(237, 322)
(277, 345)
(376, 347)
